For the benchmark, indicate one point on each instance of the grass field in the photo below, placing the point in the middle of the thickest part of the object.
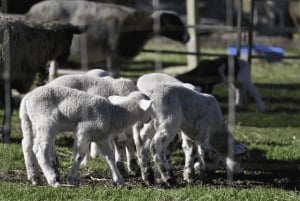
(273, 137)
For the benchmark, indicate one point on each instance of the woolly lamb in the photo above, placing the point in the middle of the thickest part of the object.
(210, 72)
(26, 48)
(115, 32)
(143, 137)
(105, 86)
(199, 116)
(46, 111)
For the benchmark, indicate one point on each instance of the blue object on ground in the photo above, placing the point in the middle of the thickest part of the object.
(269, 53)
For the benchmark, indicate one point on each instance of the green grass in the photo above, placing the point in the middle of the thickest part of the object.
(12, 192)
(273, 135)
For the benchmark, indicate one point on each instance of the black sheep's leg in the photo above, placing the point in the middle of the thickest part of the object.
(8, 107)
(112, 64)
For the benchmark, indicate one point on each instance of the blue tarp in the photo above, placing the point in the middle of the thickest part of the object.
(269, 53)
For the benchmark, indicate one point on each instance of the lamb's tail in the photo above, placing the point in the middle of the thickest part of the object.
(27, 143)
(26, 125)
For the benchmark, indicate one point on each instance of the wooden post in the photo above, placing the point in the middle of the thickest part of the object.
(239, 26)
(250, 32)
(193, 44)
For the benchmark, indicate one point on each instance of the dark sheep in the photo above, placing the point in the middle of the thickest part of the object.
(210, 72)
(116, 32)
(26, 47)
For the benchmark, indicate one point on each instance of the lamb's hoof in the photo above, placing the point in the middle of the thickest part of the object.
(188, 180)
(188, 175)
(120, 184)
(35, 181)
(55, 185)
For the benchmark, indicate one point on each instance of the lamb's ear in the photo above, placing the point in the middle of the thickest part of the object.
(145, 104)
(116, 100)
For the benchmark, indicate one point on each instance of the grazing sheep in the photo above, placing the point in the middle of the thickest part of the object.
(115, 32)
(210, 72)
(46, 111)
(199, 116)
(98, 82)
(25, 50)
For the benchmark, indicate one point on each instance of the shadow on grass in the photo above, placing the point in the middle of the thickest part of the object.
(259, 172)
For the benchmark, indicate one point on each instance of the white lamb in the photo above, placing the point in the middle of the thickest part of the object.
(46, 111)
(199, 116)
(144, 135)
(98, 82)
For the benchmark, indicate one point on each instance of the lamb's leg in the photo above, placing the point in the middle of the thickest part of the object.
(189, 153)
(27, 148)
(81, 146)
(132, 164)
(92, 152)
(142, 139)
(42, 149)
(30, 159)
(119, 146)
(86, 158)
(162, 138)
(54, 159)
(108, 154)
